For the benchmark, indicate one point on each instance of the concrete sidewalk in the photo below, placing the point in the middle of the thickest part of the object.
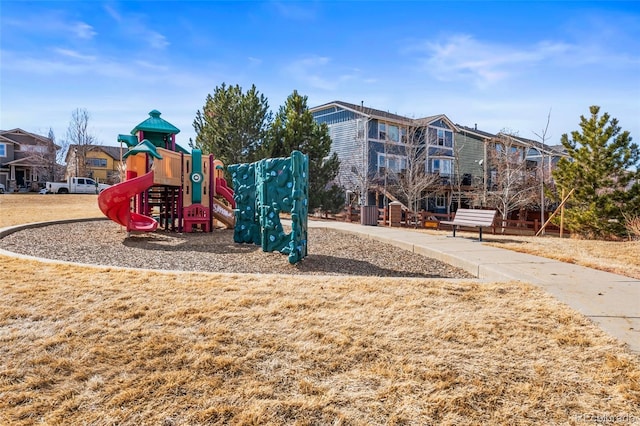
(609, 300)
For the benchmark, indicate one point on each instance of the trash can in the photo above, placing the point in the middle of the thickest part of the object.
(369, 215)
(395, 213)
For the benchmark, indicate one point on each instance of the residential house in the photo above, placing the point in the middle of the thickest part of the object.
(27, 160)
(103, 163)
(472, 161)
(476, 156)
(372, 146)
(541, 159)
(374, 149)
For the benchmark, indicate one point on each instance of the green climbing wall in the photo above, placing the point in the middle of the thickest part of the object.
(265, 189)
(247, 226)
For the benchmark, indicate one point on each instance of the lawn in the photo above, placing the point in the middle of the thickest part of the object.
(108, 346)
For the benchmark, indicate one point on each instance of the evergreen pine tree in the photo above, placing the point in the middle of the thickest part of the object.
(603, 168)
(295, 129)
(232, 124)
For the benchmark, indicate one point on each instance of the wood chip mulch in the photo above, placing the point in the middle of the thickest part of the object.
(331, 252)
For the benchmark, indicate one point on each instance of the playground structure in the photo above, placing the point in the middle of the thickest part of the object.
(166, 186)
(265, 189)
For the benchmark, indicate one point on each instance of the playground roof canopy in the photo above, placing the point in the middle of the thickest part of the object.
(130, 140)
(144, 147)
(156, 124)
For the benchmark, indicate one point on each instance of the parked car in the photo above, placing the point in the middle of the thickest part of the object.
(76, 185)
(2, 188)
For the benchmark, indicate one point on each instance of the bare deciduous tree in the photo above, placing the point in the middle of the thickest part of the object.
(80, 140)
(413, 182)
(511, 186)
(543, 139)
(356, 177)
(43, 158)
(456, 182)
(64, 147)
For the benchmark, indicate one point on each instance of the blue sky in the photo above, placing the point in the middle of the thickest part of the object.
(502, 65)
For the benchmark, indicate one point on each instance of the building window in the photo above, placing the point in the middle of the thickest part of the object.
(516, 153)
(394, 133)
(3, 149)
(382, 131)
(389, 132)
(97, 162)
(393, 163)
(513, 154)
(441, 201)
(41, 149)
(440, 137)
(441, 166)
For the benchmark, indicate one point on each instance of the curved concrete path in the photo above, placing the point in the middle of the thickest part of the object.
(611, 301)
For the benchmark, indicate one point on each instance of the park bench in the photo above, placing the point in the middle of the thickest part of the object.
(471, 218)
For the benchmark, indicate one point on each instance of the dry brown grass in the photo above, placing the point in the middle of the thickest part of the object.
(109, 346)
(16, 209)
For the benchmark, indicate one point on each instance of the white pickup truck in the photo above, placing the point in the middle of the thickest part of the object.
(75, 185)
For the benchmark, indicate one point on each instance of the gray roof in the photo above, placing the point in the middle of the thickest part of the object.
(366, 111)
(385, 115)
(114, 151)
(19, 136)
(111, 151)
(475, 131)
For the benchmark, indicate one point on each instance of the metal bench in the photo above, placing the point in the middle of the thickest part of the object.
(471, 218)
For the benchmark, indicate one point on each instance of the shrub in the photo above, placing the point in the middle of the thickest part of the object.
(632, 225)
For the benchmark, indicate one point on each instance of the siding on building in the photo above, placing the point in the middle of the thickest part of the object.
(470, 154)
(349, 150)
(109, 173)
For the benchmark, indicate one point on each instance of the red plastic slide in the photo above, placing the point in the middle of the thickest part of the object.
(223, 190)
(115, 203)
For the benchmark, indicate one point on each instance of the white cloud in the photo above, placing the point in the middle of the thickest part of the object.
(74, 54)
(40, 66)
(157, 40)
(254, 61)
(317, 72)
(308, 71)
(483, 64)
(135, 27)
(113, 13)
(151, 66)
(298, 11)
(462, 57)
(83, 30)
(51, 24)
